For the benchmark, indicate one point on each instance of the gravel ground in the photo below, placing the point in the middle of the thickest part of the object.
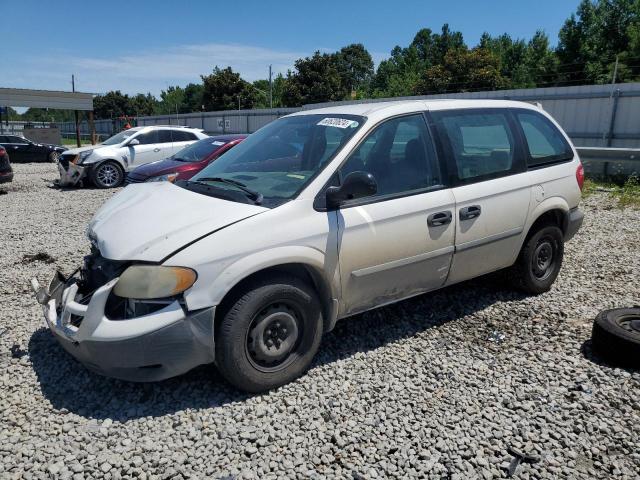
(439, 386)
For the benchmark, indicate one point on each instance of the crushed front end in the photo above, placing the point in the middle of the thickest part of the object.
(71, 174)
(126, 338)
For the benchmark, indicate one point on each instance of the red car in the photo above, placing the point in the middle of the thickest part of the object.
(6, 173)
(187, 162)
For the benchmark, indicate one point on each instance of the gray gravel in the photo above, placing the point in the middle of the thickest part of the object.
(436, 387)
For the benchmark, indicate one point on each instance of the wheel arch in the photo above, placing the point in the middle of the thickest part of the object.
(554, 211)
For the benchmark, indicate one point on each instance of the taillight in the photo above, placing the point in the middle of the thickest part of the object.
(580, 175)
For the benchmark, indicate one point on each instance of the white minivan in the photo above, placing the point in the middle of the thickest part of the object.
(318, 216)
(106, 164)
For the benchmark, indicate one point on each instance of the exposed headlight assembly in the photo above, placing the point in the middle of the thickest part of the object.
(154, 281)
(169, 177)
(84, 155)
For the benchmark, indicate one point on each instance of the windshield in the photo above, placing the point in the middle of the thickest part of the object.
(199, 150)
(119, 137)
(280, 159)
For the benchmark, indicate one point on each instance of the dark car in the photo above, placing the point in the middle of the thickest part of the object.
(186, 162)
(24, 150)
(6, 173)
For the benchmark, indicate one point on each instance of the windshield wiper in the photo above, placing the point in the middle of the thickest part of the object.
(252, 194)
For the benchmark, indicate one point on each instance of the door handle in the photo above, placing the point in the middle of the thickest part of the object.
(438, 219)
(467, 213)
(156, 149)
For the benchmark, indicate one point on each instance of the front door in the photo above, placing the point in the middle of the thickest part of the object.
(492, 193)
(148, 150)
(399, 242)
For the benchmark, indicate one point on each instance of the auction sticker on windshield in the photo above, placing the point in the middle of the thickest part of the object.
(338, 122)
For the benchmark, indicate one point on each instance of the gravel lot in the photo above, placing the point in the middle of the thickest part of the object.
(435, 387)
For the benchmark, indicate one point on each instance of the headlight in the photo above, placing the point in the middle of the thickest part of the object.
(169, 177)
(153, 281)
(84, 155)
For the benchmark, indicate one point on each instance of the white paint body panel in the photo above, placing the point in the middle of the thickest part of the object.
(366, 256)
(131, 156)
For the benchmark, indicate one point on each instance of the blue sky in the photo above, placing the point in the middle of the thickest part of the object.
(144, 46)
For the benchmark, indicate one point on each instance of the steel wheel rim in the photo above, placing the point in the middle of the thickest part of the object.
(630, 323)
(544, 258)
(54, 156)
(273, 337)
(108, 175)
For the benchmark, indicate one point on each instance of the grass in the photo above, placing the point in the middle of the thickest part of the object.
(627, 194)
(71, 142)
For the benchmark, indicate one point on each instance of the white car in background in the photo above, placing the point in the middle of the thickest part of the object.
(106, 164)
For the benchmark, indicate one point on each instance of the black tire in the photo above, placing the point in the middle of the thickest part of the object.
(540, 260)
(616, 336)
(243, 354)
(107, 174)
(53, 156)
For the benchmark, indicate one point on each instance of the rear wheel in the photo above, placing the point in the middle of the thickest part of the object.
(540, 260)
(53, 156)
(269, 333)
(108, 174)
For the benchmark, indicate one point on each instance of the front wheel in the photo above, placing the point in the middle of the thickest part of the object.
(269, 333)
(53, 156)
(540, 260)
(108, 174)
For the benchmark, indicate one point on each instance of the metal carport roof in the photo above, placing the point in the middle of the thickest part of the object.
(20, 97)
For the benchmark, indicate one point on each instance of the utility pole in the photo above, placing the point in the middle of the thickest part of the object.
(238, 102)
(75, 113)
(270, 89)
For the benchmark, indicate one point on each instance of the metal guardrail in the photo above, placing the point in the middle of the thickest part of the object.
(610, 162)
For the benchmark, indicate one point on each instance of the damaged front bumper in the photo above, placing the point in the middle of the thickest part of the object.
(152, 347)
(71, 174)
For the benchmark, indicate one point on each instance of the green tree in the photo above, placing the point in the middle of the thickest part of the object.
(224, 88)
(315, 79)
(463, 70)
(541, 61)
(193, 98)
(112, 105)
(144, 105)
(171, 101)
(355, 67)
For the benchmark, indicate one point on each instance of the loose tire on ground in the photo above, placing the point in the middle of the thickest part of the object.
(616, 336)
(269, 333)
(540, 260)
(108, 174)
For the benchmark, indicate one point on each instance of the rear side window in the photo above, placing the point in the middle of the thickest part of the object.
(481, 143)
(148, 138)
(182, 136)
(546, 144)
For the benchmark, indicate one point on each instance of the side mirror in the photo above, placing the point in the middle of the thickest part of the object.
(355, 185)
(133, 142)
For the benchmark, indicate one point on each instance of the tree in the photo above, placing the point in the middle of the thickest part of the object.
(171, 101)
(144, 105)
(355, 67)
(224, 88)
(193, 98)
(316, 79)
(541, 62)
(463, 70)
(112, 105)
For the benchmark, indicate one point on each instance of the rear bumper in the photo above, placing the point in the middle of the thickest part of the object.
(573, 222)
(6, 177)
(152, 347)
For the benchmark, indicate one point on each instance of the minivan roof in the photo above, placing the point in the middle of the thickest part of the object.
(397, 107)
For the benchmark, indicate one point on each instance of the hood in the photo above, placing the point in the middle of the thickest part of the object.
(53, 146)
(169, 165)
(75, 151)
(149, 221)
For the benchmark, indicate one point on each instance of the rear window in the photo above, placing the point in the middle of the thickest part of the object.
(546, 144)
(481, 143)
